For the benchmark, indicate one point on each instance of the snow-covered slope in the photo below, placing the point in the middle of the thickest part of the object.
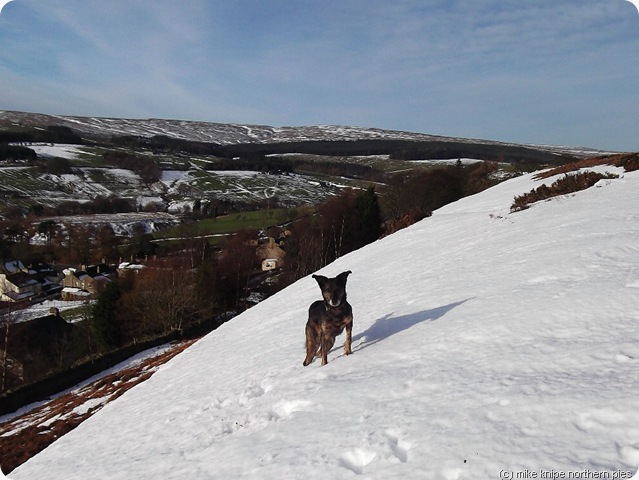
(486, 345)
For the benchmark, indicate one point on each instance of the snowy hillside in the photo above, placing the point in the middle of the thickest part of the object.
(487, 345)
(230, 133)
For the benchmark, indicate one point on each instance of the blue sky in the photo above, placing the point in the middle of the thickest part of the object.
(537, 71)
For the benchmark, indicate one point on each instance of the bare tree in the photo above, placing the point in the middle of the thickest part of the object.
(5, 322)
(7, 318)
(163, 297)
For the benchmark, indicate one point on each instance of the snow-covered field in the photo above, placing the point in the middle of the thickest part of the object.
(172, 176)
(61, 150)
(450, 161)
(43, 309)
(486, 345)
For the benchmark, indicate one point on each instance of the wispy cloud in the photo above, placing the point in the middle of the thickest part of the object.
(503, 69)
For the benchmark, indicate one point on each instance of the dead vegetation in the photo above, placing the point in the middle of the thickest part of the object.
(569, 183)
(23, 437)
(628, 161)
(574, 180)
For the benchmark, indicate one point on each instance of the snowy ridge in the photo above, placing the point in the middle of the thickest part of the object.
(228, 133)
(486, 345)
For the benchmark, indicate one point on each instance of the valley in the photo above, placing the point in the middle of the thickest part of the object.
(209, 202)
(230, 167)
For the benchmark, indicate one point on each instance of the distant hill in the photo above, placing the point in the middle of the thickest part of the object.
(235, 134)
(51, 161)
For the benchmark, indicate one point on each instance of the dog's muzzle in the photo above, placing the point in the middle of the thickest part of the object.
(332, 304)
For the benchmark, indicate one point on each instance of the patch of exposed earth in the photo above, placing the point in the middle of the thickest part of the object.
(32, 429)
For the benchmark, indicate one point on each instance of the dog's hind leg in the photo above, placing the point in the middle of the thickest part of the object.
(313, 345)
(328, 341)
(347, 342)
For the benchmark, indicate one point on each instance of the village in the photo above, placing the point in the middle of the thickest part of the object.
(23, 285)
(47, 312)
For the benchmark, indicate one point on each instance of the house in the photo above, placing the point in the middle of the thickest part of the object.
(18, 286)
(271, 255)
(70, 294)
(125, 267)
(87, 282)
(269, 264)
(101, 269)
(22, 283)
(50, 278)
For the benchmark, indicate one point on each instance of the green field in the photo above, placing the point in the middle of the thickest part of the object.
(229, 224)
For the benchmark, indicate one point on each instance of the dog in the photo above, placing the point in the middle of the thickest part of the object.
(328, 318)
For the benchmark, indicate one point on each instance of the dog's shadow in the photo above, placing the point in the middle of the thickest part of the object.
(388, 325)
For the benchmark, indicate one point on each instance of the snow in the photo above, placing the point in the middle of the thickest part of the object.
(89, 405)
(180, 206)
(238, 173)
(486, 345)
(170, 176)
(70, 152)
(121, 175)
(450, 161)
(43, 309)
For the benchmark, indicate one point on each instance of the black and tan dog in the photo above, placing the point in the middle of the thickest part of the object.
(328, 318)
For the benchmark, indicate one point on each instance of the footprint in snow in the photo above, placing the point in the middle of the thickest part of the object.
(251, 392)
(355, 460)
(285, 408)
(398, 446)
(629, 454)
(624, 358)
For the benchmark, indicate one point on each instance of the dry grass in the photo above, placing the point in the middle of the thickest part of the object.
(569, 183)
(573, 182)
(23, 437)
(628, 161)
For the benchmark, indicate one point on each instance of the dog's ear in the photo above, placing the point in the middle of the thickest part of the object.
(321, 280)
(343, 276)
